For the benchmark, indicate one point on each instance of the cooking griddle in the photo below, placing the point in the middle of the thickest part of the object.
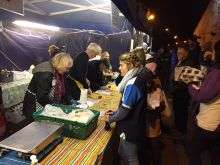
(33, 138)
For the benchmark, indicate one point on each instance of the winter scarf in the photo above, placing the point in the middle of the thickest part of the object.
(129, 75)
(59, 88)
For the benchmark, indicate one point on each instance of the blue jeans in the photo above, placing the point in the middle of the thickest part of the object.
(128, 151)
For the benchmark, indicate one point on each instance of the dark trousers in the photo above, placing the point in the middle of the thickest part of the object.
(180, 108)
(151, 151)
(203, 140)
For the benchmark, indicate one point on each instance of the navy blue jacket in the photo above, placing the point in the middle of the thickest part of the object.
(134, 98)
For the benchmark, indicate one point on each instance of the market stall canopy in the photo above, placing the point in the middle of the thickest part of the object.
(81, 14)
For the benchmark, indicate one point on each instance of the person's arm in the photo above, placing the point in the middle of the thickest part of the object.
(82, 77)
(95, 86)
(43, 85)
(101, 78)
(130, 97)
(119, 115)
(209, 89)
(107, 74)
(118, 79)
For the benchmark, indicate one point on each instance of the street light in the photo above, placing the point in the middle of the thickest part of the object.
(166, 29)
(175, 37)
(150, 15)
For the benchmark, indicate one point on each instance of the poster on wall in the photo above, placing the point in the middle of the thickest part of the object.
(15, 6)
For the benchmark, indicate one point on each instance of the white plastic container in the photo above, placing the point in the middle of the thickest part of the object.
(83, 96)
(18, 75)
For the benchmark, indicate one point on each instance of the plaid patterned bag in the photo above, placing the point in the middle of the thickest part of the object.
(188, 74)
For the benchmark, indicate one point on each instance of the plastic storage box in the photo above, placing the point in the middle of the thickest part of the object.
(6, 77)
(71, 128)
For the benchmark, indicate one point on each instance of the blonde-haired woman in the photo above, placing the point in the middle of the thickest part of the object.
(130, 116)
(47, 84)
(130, 66)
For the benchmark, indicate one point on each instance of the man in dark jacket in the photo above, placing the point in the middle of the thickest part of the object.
(76, 80)
(180, 93)
(95, 74)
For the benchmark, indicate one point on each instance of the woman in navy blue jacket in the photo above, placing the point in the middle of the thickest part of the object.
(130, 116)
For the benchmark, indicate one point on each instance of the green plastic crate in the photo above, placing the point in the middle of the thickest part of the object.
(71, 128)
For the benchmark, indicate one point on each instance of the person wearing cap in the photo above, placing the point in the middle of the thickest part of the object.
(151, 148)
(76, 80)
(145, 47)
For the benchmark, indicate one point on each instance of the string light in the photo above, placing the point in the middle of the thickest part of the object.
(35, 25)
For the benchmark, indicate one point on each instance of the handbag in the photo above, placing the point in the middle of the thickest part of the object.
(188, 74)
(154, 98)
(167, 112)
(166, 116)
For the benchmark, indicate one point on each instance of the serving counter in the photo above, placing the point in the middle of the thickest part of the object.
(74, 151)
(89, 151)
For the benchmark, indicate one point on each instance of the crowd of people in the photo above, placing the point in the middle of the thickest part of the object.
(138, 127)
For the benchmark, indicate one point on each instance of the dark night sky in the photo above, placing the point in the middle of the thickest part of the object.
(181, 17)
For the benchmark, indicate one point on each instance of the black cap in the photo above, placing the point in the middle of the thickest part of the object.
(152, 60)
